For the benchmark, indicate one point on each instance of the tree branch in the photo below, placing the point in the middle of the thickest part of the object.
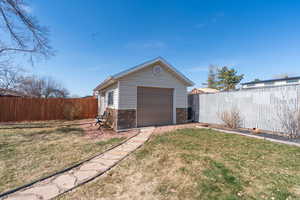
(17, 49)
(7, 24)
(26, 33)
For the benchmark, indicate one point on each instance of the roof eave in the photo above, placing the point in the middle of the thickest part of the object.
(110, 80)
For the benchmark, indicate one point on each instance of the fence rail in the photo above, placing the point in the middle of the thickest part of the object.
(259, 108)
(31, 109)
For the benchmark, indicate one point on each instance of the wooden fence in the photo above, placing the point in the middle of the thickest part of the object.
(30, 109)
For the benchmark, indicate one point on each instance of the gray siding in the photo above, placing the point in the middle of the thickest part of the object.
(115, 89)
(128, 87)
(258, 107)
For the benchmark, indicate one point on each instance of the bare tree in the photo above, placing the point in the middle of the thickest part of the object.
(61, 93)
(32, 86)
(13, 78)
(21, 32)
(44, 87)
(10, 77)
(53, 89)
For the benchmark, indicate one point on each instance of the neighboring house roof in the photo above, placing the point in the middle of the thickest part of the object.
(112, 79)
(203, 90)
(272, 80)
(10, 93)
(88, 96)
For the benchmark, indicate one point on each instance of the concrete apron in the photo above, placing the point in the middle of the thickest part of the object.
(64, 182)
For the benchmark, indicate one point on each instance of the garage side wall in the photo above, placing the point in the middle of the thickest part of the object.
(145, 78)
(113, 88)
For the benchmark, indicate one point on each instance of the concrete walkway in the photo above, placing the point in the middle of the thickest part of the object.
(56, 185)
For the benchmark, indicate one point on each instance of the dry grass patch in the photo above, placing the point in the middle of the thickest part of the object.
(201, 164)
(29, 151)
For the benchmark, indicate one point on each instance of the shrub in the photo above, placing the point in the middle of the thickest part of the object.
(231, 118)
(288, 114)
(289, 117)
(71, 111)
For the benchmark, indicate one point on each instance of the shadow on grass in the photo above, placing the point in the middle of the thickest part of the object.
(33, 126)
(57, 131)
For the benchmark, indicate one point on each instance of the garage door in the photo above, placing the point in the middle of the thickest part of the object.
(154, 106)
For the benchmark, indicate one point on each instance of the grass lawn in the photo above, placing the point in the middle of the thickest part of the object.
(201, 164)
(32, 150)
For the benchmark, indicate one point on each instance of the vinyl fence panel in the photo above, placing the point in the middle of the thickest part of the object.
(259, 108)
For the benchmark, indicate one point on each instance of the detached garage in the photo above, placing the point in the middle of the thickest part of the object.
(150, 94)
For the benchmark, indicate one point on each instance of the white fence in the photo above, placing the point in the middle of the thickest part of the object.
(260, 108)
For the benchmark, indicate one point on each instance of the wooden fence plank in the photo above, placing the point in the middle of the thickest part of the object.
(30, 109)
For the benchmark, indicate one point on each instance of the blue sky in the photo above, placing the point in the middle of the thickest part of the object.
(95, 39)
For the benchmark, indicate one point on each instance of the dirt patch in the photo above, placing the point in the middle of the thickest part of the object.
(91, 131)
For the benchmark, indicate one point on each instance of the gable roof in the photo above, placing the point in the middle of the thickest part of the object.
(112, 79)
(203, 90)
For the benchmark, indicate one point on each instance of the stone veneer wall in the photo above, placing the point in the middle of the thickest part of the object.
(126, 119)
(181, 115)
